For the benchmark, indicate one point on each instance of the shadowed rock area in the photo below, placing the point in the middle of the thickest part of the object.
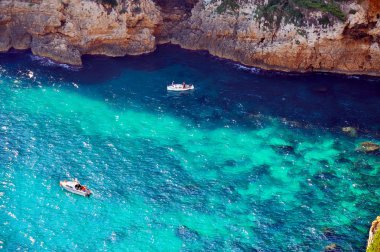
(173, 13)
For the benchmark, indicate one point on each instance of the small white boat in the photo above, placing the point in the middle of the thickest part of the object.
(180, 87)
(75, 187)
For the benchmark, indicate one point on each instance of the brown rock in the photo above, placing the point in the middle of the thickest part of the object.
(5, 40)
(372, 231)
(369, 147)
(64, 30)
(56, 48)
(238, 36)
(135, 27)
(331, 247)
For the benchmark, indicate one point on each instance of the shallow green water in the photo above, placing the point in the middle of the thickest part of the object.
(247, 161)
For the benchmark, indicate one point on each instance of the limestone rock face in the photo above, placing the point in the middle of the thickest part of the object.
(373, 244)
(350, 46)
(64, 30)
(57, 48)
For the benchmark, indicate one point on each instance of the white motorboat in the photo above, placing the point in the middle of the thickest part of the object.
(75, 187)
(180, 87)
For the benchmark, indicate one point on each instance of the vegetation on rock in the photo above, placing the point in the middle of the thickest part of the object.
(293, 11)
(276, 10)
(331, 7)
(135, 7)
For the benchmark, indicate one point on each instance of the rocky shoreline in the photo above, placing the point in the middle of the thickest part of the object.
(373, 244)
(350, 47)
(318, 41)
(65, 30)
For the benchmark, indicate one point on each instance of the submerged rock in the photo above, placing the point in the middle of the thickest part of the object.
(329, 233)
(230, 163)
(283, 149)
(369, 147)
(186, 233)
(351, 131)
(333, 247)
(241, 246)
(343, 160)
(321, 89)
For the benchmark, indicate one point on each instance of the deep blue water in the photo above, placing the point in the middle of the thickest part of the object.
(251, 160)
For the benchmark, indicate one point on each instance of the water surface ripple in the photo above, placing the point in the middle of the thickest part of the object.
(249, 161)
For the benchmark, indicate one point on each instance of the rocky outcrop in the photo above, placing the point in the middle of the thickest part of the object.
(319, 43)
(332, 248)
(351, 131)
(173, 12)
(64, 30)
(369, 147)
(373, 244)
(343, 37)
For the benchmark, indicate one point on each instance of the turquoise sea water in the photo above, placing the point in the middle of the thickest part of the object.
(248, 161)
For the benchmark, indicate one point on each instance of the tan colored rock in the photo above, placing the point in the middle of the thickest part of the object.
(345, 47)
(351, 131)
(64, 30)
(331, 247)
(135, 27)
(369, 147)
(56, 48)
(371, 237)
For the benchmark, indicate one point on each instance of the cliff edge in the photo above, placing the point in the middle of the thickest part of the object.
(297, 35)
(63, 30)
(374, 236)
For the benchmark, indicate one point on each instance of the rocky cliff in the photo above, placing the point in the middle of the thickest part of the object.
(374, 236)
(286, 35)
(63, 30)
(297, 35)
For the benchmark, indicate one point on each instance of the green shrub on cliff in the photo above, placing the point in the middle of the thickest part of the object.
(276, 10)
(324, 21)
(296, 11)
(325, 6)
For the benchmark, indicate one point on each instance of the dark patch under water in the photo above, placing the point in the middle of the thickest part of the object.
(251, 160)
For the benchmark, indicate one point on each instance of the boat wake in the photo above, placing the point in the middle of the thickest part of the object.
(50, 63)
(254, 70)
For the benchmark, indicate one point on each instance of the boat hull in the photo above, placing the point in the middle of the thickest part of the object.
(179, 87)
(70, 187)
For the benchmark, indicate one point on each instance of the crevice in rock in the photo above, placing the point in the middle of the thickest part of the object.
(173, 13)
(359, 31)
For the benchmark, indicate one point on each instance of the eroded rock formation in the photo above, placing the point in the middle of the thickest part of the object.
(65, 30)
(369, 147)
(319, 42)
(373, 244)
(272, 34)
